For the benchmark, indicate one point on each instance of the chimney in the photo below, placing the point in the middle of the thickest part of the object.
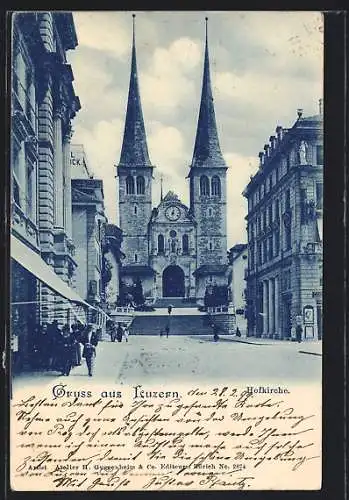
(299, 113)
(272, 140)
(261, 155)
(320, 107)
(278, 131)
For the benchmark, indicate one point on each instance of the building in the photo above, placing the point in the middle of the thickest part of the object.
(237, 257)
(112, 261)
(175, 250)
(284, 223)
(43, 105)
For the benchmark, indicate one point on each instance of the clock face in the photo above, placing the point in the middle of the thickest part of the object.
(173, 213)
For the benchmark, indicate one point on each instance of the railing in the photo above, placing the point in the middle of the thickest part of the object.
(221, 309)
(122, 310)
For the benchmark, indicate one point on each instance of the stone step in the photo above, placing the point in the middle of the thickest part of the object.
(179, 325)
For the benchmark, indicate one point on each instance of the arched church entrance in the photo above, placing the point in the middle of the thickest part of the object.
(173, 282)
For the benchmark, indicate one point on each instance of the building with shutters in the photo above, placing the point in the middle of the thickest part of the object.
(175, 250)
(284, 224)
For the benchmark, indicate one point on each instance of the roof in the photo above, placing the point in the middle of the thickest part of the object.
(134, 151)
(207, 151)
(137, 270)
(208, 269)
(171, 197)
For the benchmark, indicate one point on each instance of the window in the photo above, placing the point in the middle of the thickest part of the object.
(161, 244)
(259, 253)
(277, 174)
(270, 182)
(287, 200)
(15, 191)
(251, 257)
(30, 191)
(136, 257)
(140, 185)
(276, 243)
(135, 210)
(319, 195)
(210, 212)
(288, 233)
(130, 185)
(173, 233)
(277, 210)
(270, 249)
(270, 214)
(210, 246)
(319, 155)
(265, 250)
(288, 162)
(303, 200)
(185, 243)
(204, 186)
(215, 186)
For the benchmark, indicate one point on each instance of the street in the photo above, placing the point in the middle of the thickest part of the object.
(195, 359)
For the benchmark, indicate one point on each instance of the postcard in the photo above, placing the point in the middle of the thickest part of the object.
(166, 250)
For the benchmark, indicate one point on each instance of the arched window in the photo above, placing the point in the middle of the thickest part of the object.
(185, 243)
(130, 185)
(204, 186)
(161, 244)
(140, 185)
(215, 186)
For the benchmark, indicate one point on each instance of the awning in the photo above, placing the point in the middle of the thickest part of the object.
(319, 224)
(33, 263)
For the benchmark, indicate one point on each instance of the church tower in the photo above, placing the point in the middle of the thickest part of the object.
(207, 178)
(135, 174)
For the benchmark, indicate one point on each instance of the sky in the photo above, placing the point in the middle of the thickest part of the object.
(264, 66)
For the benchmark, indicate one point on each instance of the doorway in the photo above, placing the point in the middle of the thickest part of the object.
(173, 282)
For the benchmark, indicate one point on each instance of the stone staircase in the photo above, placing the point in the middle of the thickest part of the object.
(179, 325)
(177, 302)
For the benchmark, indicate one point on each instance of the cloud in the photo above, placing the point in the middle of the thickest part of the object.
(102, 145)
(238, 175)
(103, 31)
(167, 85)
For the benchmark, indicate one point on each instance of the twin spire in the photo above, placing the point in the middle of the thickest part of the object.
(134, 150)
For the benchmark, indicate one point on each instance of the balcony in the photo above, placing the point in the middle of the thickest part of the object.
(23, 226)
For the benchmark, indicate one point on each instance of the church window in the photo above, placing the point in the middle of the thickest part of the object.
(135, 210)
(173, 246)
(161, 243)
(204, 186)
(210, 245)
(140, 185)
(185, 243)
(136, 257)
(173, 233)
(130, 185)
(215, 186)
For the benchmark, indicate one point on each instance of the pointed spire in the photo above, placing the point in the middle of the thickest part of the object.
(207, 150)
(161, 193)
(134, 151)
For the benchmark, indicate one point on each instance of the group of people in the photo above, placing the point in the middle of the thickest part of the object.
(117, 332)
(60, 348)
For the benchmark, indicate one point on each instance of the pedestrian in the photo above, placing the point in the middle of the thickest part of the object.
(126, 332)
(238, 333)
(68, 350)
(167, 330)
(77, 338)
(119, 332)
(89, 351)
(299, 331)
(56, 346)
(169, 309)
(215, 332)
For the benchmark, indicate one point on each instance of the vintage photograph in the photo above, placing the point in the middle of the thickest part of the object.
(166, 205)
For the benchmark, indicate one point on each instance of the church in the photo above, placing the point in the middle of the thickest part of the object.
(175, 250)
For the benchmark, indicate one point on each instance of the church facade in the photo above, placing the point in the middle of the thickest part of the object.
(175, 250)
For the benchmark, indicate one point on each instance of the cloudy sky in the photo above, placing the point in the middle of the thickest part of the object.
(264, 65)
